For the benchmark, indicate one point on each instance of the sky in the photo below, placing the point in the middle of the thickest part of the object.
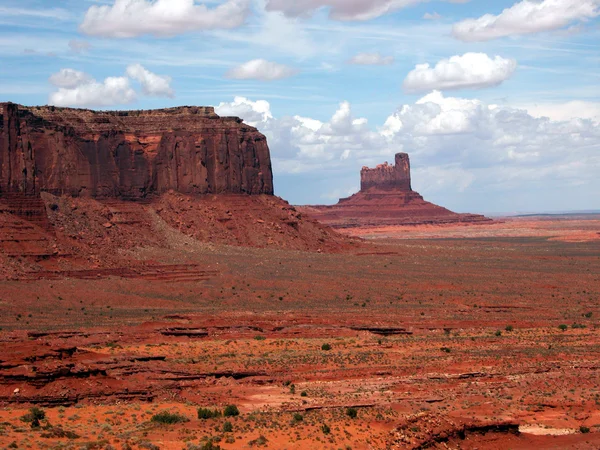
(497, 102)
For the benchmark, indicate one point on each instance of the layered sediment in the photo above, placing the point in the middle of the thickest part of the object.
(89, 184)
(386, 198)
(129, 154)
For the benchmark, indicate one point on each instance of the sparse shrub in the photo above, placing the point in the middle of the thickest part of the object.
(205, 413)
(326, 347)
(166, 417)
(578, 326)
(259, 338)
(34, 416)
(325, 429)
(208, 445)
(562, 327)
(352, 413)
(303, 394)
(259, 441)
(298, 417)
(588, 315)
(231, 411)
(227, 427)
(498, 333)
(445, 349)
(292, 388)
(509, 328)
(584, 429)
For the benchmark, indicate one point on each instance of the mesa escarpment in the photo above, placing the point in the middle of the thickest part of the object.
(386, 198)
(91, 184)
(130, 154)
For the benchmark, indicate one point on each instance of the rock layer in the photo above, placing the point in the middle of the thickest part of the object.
(386, 198)
(129, 154)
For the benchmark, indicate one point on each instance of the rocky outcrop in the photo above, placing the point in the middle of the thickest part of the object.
(387, 177)
(129, 154)
(386, 198)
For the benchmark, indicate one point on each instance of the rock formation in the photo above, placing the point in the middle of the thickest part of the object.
(129, 154)
(386, 198)
(86, 184)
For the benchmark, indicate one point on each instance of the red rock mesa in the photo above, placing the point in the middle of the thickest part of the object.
(386, 198)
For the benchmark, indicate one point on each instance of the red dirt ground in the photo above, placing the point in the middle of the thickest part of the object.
(449, 339)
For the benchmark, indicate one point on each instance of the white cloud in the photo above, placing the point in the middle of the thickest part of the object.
(565, 111)
(55, 13)
(460, 148)
(340, 9)
(152, 84)
(76, 88)
(527, 17)
(261, 69)
(130, 18)
(79, 46)
(113, 91)
(253, 113)
(471, 71)
(432, 16)
(69, 78)
(371, 59)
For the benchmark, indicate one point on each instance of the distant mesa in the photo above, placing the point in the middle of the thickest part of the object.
(386, 198)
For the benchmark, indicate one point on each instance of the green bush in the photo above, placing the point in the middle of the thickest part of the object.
(352, 413)
(227, 427)
(498, 333)
(231, 411)
(34, 416)
(298, 417)
(326, 347)
(303, 394)
(326, 429)
(584, 429)
(169, 418)
(562, 327)
(509, 328)
(205, 413)
(445, 349)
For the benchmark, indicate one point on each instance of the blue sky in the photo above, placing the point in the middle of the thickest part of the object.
(505, 117)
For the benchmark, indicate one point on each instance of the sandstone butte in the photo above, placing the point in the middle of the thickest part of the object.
(208, 175)
(386, 198)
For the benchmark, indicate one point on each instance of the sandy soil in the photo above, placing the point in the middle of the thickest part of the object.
(436, 343)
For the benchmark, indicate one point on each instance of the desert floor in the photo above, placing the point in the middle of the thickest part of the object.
(465, 337)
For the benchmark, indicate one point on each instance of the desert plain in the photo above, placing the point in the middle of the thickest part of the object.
(458, 336)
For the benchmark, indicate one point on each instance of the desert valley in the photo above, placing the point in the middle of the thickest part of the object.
(155, 294)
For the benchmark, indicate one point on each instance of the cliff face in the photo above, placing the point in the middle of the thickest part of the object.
(386, 198)
(129, 154)
(387, 177)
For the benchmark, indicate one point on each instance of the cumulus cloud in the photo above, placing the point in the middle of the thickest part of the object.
(526, 17)
(76, 88)
(69, 78)
(458, 146)
(371, 59)
(468, 71)
(131, 18)
(112, 91)
(253, 113)
(261, 69)
(152, 84)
